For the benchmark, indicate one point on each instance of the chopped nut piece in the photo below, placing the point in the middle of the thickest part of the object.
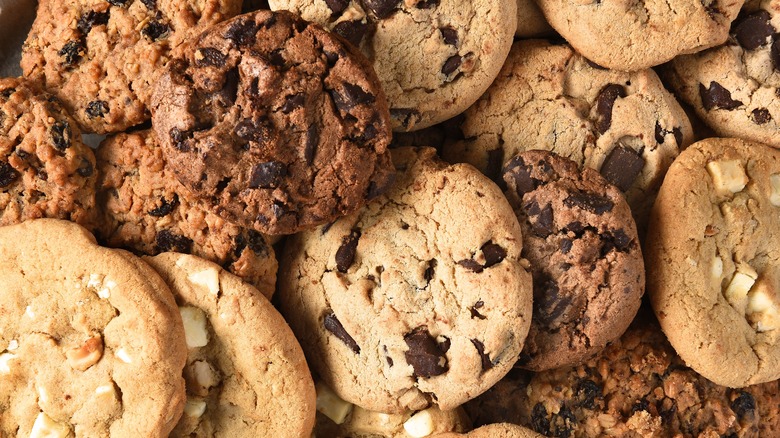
(717, 269)
(737, 290)
(123, 356)
(5, 367)
(420, 424)
(331, 405)
(45, 427)
(194, 408)
(83, 357)
(728, 176)
(105, 389)
(774, 194)
(194, 327)
(208, 278)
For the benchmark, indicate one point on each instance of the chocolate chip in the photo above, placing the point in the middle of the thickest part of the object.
(761, 116)
(387, 356)
(486, 363)
(168, 241)
(621, 240)
(7, 174)
(451, 65)
(97, 108)
(333, 325)
(427, 4)
(351, 95)
(242, 32)
(471, 265)
(539, 421)
(518, 176)
(775, 53)
(430, 270)
(337, 6)
(381, 8)
(90, 19)
(622, 166)
(604, 104)
(85, 169)
(549, 304)
(540, 219)
(293, 102)
(312, 140)
(444, 345)
(660, 133)
(405, 116)
(252, 130)
(587, 392)
(493, 253)
(267, 175)
(165, 208)
(155, 30)
(72, 51)
(345, 255)
(424, 354)
(717, 97)
(449, 35)
(60, 135)
(744, 405)
(752, 32)
(209, 56)
(475, 312)
(566, 245)
(352, 31)
(587, 201)
(495, 160)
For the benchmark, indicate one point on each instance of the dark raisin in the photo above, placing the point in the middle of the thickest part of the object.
(588, 392)
(118, 2)
(775, 55)
(72, 51)
(539, 421)
(179, 139)
(91, 19)
(61, 134)
(7, 174)
(744, 405)
(165, 208)
(85, 169)
(345, 255)
(97, 108)
(168, 241)
(150, 4)
(155, 30)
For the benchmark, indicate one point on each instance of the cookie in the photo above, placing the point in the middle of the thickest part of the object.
(637, 387)
(625, 125)
(273, 123)
(414, 301)
(498, 430)
(246, 374)
(632, 36)
(581, 243)
(145, 209)
(530, 21)
(434, 58)
(102, 57)
(91, 341)
(735, 87)
(713, 266)
(45, 169)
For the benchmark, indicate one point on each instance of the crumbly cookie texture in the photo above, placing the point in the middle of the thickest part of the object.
(274, 124)
(713, 262)
(145, 209)
(735, 88)
(102, 57)
(498, 430)
(581, 243)
(434, 58)
(632, 36)
(91, 342)
(625, 125)
(45, 169)
(637, 387)
(245, 374)
(415, 301)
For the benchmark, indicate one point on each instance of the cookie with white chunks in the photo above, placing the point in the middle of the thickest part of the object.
(145, 209)
(713, 260)
(415, 300)
(581, 243)
(735, 87)
(246, 374)
(45, 169)
(102, 57)
(625, 125)
(498, 430)
(434, 58)
(91, 341)
(274, 123)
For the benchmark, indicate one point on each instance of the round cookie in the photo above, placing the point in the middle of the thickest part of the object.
(102, 57)
(735, 87)
(625, 125)
(144, 208)
(45, 169)
(91, 341)
(246, 374)
(631, 36)
(530, 21)
(713, 260)
(434, 58)
(581, 243)
(414, 301)
(498, 430)
(273, 123)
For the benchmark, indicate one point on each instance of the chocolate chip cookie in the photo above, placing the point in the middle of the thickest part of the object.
(245, 374)
(274, 124)
(713, 262)
(102, 57)
(45, 169)
(735, 88)
(145, 209)
(498, 430)
(434, 58)
(415, 300)
(625, 125)
(91, 342)
(581, 242)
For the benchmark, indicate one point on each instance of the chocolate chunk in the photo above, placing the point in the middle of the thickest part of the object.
(444, 345)
(168, 241)
(761, 116)
(60, 135)
(775, 55)
(493, 253)
(475, 312)
(621, 240)
(381, 8)
(293, 102)
(267, 175)
(471, 265)
(345, 255)
(744, 405)
(351, 95)
(430, 270)
(622, 166)
(587, 392)
(7, 174)
(549, 304)
(242, 32)
(209, 56)
(566, 245)
(717, 97)
(752, 32)
(495, 160)
(337, 6)
(97, 108)
(424, 354)
(604, 104)
(427, 4)
(539, 421)
(486, 363)
(449, 35)
(660, 133)
(587, 201)
(518, 176)
(252, 130)
(165, 208)
(404, 116)
(540, 219)
(72, 51)
(155, 30)
(91, 19)
(333, 325)
(312, 140)
(352, 31)
(451, 65)
(85, 169)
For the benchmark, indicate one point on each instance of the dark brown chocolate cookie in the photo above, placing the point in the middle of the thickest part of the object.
(581, 242)
(274, 124)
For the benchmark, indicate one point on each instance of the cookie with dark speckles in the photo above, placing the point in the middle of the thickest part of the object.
(274, 124)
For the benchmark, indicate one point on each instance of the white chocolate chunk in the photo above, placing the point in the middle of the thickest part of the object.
(45, 427)
(727, 176)
(208, 278)
(737, 290)
(13, 345)
(195, 331)
(5, 366)
(43, 395)
(774, 189)
(420, 424)
(95, 281)
(83, 357)
(29, 312)
(105, 291)
(762, 308)
(105, 389)
(205, 377)
(717, 269)
(194, 408)
(122, 355)
(331, 405)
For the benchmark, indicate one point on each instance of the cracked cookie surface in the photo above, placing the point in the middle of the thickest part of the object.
(413, 301)
(713, 260)
(146, 210)
(433, 58)
(274, 124)
(91, 342)
(581, 243)
(245, 374)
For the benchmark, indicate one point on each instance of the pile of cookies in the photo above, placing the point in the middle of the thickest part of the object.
(491, 217)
